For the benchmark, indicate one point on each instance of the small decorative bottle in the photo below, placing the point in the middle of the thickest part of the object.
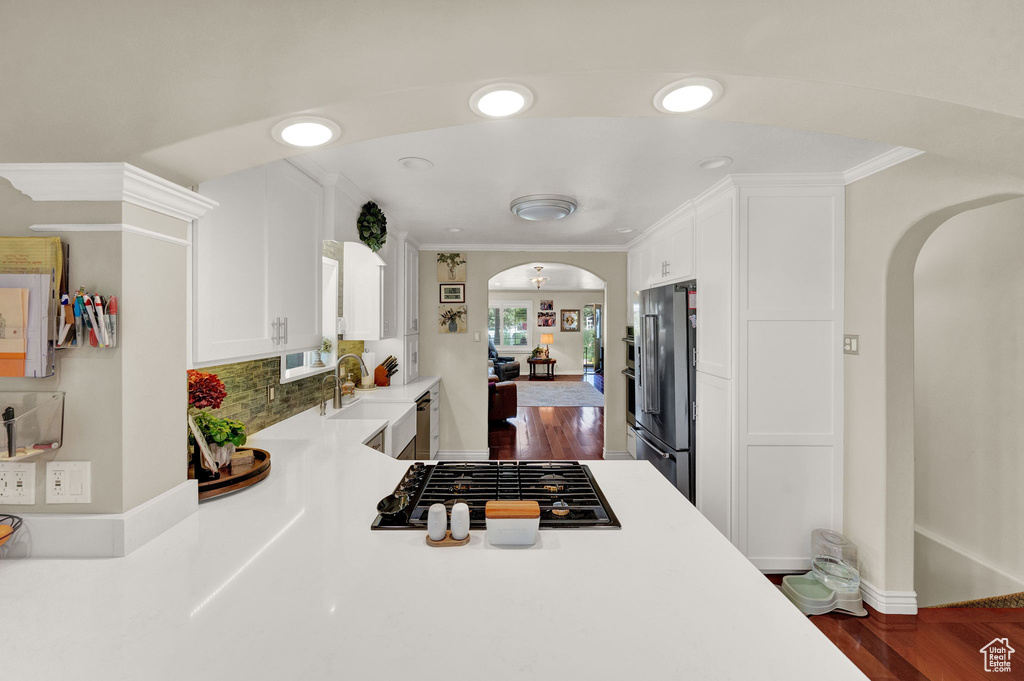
(348, 391)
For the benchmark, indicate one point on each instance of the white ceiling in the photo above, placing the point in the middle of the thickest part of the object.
(562, 278)
(623, 172)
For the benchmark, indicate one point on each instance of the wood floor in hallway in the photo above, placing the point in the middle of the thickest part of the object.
(549, 433)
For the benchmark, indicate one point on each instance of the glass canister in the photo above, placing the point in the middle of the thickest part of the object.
(834, 561)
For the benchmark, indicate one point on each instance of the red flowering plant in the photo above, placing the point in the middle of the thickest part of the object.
(205, 390)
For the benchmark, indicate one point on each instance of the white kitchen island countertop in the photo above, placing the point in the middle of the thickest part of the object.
(285, 581)
(401, 393)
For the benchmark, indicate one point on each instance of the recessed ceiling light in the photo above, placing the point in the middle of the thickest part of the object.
(686, 95)
(497, 283)
(713, 162)
(500, 100)
(454, 229)
(415, 163)
(543, 206)
(624, 230)
(306, 131)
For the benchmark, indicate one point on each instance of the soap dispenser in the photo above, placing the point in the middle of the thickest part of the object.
(348, 391)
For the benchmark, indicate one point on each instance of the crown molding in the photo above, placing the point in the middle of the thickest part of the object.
(120, 182)
(546, 248)
(113, 227)
(880, 163)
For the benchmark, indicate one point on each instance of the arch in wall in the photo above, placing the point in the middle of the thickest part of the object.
(899, 385)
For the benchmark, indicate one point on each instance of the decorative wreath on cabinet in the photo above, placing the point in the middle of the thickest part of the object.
(373, 226)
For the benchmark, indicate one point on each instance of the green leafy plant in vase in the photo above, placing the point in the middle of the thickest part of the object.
(325, 351)
(223, 436)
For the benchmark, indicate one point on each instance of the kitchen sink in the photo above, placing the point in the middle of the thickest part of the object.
(401, 428)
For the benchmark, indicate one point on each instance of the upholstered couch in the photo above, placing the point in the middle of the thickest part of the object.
(502, 397)
(505, 368)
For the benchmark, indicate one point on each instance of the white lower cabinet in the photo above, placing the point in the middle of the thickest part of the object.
(256, 264)
(714, 466)
(435, 420)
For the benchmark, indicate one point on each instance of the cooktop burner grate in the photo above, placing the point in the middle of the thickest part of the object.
(566, 491)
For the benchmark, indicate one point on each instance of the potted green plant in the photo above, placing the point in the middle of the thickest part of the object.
(223, 436)
(325, 351)
(373, 226)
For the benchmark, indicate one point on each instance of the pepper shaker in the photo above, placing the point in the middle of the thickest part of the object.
(460, 521)
(437, 522)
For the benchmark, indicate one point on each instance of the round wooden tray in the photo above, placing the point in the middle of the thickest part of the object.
(234, 480)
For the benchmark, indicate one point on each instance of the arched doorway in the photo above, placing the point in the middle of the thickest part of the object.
(968, 359)
(543, 403)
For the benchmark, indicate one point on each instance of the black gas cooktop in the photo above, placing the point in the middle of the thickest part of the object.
(569, 497)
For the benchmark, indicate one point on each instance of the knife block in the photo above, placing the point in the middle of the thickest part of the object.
(380, 377)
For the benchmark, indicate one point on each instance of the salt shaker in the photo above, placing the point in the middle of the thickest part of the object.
(437, 522)
(460, 521)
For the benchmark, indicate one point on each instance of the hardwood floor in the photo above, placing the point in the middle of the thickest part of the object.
(551, 432)
(937, 644)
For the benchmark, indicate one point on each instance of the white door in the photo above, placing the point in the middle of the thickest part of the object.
(714, 474)
(231, 250)
(294, 204)
(715, 227)
(412, 358)
(391, 253)
(412, 290)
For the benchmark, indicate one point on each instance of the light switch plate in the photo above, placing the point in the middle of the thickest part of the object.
(69, 482)
(851, 344)
(17, 483)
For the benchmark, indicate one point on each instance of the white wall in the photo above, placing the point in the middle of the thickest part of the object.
(462, 363)
(568, 345)
(969, 407)
(125, 406)
(889, 215)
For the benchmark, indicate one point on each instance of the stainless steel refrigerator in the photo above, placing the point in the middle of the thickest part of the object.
(666, 382)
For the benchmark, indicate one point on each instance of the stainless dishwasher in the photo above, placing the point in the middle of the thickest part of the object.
(423, 426)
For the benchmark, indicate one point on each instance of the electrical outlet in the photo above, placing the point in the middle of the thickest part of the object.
(476, 336)
(851, 344)
(17, 483)
(69, 482)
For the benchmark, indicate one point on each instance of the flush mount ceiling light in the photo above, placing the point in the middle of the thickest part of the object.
(539, 281)
(500, 100)
(688, 94)
(306, 131)
(455, 229)
(543, 206)
(624, 230)
(415, 163)
(713, 162)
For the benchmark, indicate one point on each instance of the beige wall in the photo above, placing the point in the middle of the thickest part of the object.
(461, 362)
(125, 406)
(568, 345)
(888, 217)
(969, 430)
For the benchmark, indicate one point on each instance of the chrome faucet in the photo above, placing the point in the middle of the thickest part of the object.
(337, 366)
(337, 394)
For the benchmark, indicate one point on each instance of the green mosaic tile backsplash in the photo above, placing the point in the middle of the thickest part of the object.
(246, 384)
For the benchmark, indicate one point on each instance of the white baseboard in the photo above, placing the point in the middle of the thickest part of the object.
(469, 455)
(618, 456)
(945, 572)
(103, 535)
(889, 602)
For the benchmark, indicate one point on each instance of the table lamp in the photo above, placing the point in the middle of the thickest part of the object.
(547, 339)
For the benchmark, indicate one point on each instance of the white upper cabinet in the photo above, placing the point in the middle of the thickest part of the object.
(363, 292)
(715, 227)
(412, 290)
(256, 265)
(668, 257)
(294, 204)
(392, 255)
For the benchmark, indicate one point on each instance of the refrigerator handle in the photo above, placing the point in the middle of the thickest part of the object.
(652, 399)
(650, 444)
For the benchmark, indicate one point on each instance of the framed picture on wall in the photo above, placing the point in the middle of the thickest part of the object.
(547, 305)
(570, 320)
(545, 319)
(452, 293)
(451, 267)
(451, 318)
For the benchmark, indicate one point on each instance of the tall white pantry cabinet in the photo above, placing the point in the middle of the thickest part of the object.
(767, 254)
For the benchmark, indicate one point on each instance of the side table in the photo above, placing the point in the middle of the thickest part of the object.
(549, 375)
